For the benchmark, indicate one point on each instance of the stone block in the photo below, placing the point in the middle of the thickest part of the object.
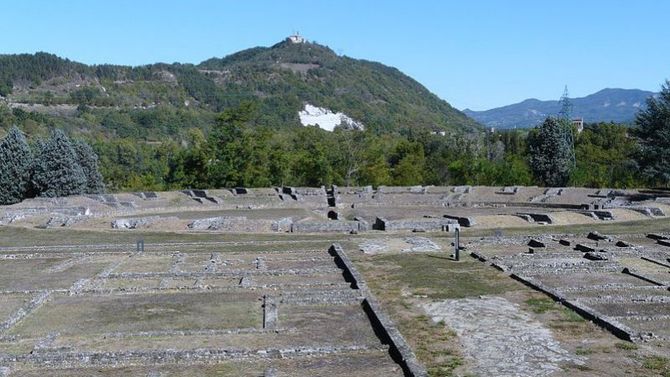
(584, 248)
(462, 221)
(61, 221)
(596, 236)
(623, 244)
(134, 223)
(565, 242)
(596, 256)
(462, 189)
(508, 190)
(657, 236)
(536, 217)
(362, 224)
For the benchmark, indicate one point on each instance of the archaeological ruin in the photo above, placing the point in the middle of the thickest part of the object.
(301, 281)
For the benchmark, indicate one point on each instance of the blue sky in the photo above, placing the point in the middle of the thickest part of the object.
(476, 54)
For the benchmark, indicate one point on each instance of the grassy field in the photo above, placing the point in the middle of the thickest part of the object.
(11, 236)
(142, 312)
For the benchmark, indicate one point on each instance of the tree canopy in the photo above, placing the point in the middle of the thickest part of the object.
(653, 132)
(56, 171)
(15, 164)
(550, 153)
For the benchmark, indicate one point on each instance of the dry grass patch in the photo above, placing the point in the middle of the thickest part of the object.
(142, 312)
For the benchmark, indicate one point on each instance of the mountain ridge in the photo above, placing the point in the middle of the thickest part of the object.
(281, 78)
(606, 105)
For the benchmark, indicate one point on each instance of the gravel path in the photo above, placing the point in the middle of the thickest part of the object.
(500, 339)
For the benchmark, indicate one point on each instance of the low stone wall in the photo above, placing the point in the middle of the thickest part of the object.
(598, 215)
(615, 327)
(69, 359)
(462, 221)
(385, 328)
(536, 217)
(26, 309)
(316, 196)
(353, 190)
(637, 274)
(401, 189)
(362, 224)
(134, 223)
(648, 211)
(333, 226)
(448, 225)
(63, 221)
(242, 224)
(12, 215)
(201, 196)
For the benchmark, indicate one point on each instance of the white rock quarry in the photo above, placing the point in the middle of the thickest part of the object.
(326, 119)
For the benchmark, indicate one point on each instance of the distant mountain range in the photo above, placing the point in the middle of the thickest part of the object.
(607, 105)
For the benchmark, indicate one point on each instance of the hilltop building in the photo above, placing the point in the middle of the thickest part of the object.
(296, 38)
(579, 124)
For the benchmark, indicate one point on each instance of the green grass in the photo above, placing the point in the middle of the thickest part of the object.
(430, 337)
(11, 236)
(583, 368)
(570, 322)
(75, 315)
(446, 369)
(581, 351)
(540, 305)
(572, 316)
(439, 277)
(657, 363)
(626, 346)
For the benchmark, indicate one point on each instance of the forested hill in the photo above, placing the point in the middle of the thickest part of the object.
(153, 101)
(607, 105)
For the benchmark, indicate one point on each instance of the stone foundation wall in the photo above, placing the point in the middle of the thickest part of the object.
(384, 327)
(242, 225)
(416, 224)
(333, 226)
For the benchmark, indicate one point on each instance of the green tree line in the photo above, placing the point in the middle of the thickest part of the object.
(240, 149)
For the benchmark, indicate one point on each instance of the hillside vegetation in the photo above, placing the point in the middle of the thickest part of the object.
(156, 100)
(233, 121)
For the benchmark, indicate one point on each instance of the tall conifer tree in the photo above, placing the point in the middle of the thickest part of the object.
(653, 132)
(88, 161)
(56, 171)
(550, 153)
(15, 162)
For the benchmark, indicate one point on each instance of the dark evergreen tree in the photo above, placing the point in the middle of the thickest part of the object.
(550, 153)
(56, 171)
(88, 161)
(15, 162)
(653, 132)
